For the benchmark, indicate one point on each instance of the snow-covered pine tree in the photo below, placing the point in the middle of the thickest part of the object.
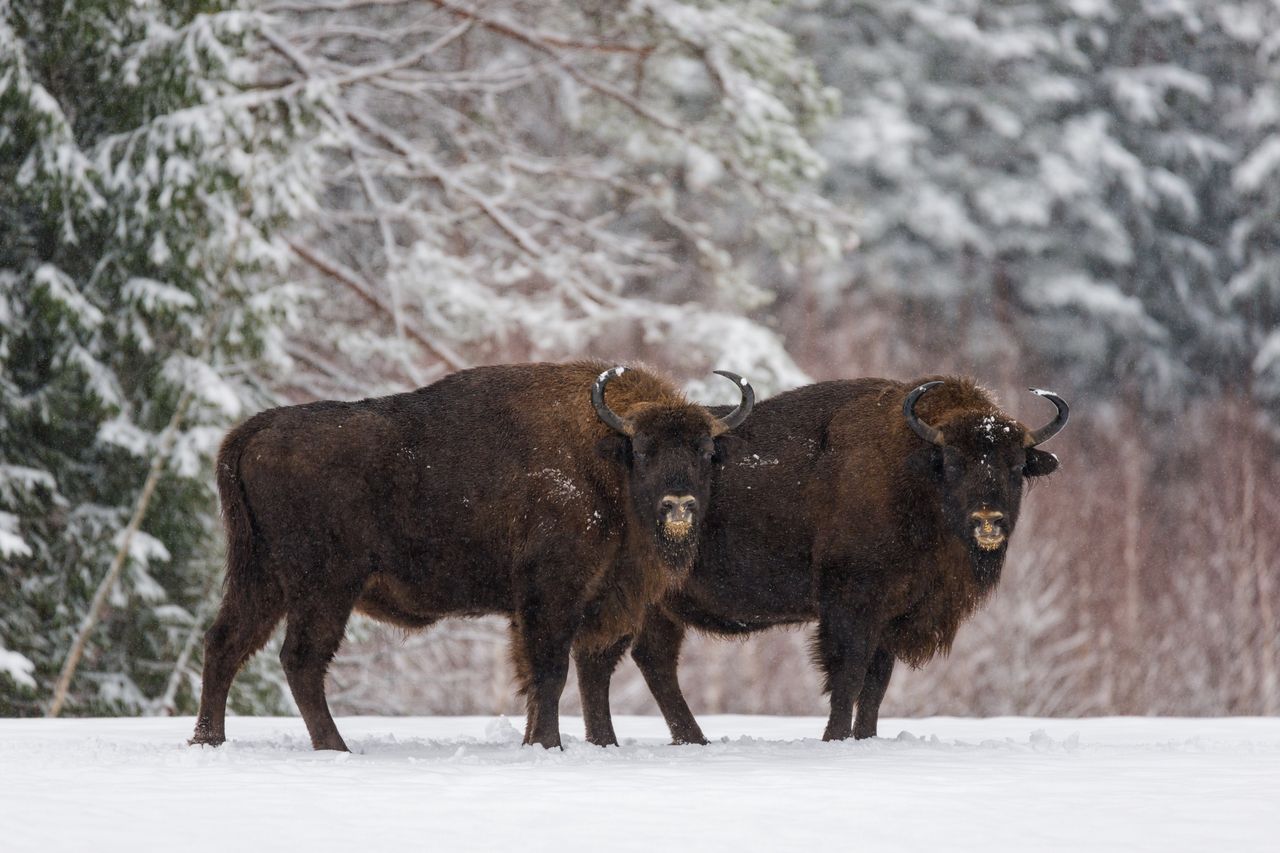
(143, 164)
(1253, 115)
(1085, 181)
(1171, 109)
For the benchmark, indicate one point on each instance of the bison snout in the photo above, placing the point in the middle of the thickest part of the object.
(678, 507)
(988, 528)
(676, 513)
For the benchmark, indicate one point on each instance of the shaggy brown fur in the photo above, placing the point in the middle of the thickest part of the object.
(494, 490)
(833, 509)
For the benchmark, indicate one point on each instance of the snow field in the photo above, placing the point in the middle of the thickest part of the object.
(465, 783)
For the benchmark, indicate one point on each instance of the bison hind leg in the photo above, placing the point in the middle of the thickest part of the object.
(541, 653)
(313, 634)
(246, 618)
(844, 650)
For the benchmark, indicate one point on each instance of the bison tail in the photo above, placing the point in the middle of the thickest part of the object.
(237, 519)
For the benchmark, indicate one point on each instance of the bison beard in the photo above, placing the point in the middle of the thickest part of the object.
(678, 546)
(517, 489)
(987, 565)
(877, 515)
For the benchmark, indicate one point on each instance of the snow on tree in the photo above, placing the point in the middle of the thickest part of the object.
(526, 179)
(1087, 179)
(1253, 114)
(143, 166)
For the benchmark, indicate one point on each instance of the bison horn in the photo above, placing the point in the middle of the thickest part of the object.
(606, 414)
(738, 415)
(1055, 426)
(933, 435)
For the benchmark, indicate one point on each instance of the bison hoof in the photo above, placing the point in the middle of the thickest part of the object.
(206, 739)
(331, 747)
(691, 733)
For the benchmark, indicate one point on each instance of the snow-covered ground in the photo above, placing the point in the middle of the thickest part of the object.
(766, 783)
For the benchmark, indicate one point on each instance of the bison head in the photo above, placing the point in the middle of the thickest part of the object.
(979, 462)
(669, 450)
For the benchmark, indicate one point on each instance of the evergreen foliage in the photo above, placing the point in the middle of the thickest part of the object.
(1093, 179)
(142, 168)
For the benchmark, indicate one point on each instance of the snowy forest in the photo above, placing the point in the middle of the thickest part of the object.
(212, 207)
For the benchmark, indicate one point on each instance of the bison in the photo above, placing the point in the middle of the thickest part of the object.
(880, 509)
(568, 497)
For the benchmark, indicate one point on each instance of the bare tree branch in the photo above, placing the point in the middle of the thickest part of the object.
(369, 295)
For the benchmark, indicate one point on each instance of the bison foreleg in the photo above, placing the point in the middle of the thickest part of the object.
(844, 652)
(874, 686)
(657, 653)
(595, 669)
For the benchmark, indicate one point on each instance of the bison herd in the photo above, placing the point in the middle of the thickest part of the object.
(601, 511)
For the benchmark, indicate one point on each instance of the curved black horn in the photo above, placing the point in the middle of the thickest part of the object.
(748, 393)
(933, 435)
(606, 414)
(1055, 426)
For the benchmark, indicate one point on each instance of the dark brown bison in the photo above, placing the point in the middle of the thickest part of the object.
(566, 496)
(880, 511)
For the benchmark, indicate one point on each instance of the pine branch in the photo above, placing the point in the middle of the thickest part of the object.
(94, 612)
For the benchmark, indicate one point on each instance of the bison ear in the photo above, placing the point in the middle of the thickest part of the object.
(727, 446)
(614, 448)
(1040, 463)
